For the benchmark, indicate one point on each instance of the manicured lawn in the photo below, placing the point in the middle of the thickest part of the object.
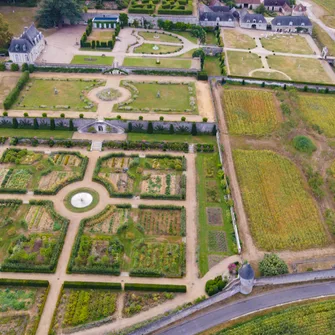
(211, 39)
(269, 75)
(164, 62)
(323, 39)
(295, 44)
(187, 54)
(300, 69)
(241, 63)
(102, 35)
(163, 49)
(210, 196)
(171, 138)
(234, 39)
(212, 66)
(163, 37)
(94, 194)
(92, 60)
(36, 133)
(7, 83)
(187, 35)
(159, 98)
(41, 95)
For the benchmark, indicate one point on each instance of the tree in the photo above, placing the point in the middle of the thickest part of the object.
(5, 35)
(260, 9)
(36, 126)
(71, 125)
(214, 130)
(171, 130)
(130, 127)
(52, 124)
(272, 265)
(201, 54)
(150, 129)
(15, 123)
(194, 131)
(53, 12)
(123, 17)
(230, 3)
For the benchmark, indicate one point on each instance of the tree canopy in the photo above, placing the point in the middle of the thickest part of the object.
(53, 12)
(272, 265)
(5, 34)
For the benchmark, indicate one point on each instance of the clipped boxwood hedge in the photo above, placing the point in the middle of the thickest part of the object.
(93, 285)
(24, 282)
(155, 287)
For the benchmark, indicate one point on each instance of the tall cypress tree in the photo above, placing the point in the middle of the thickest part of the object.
(36, 126)
(194, 131)
(15, 123)
(150, 129)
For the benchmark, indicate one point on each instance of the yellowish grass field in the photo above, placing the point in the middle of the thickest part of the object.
(234, 39)
(102, 35)
(319, 110)
(269, 75)
(282, 214)
(241, 63)
(250, 112)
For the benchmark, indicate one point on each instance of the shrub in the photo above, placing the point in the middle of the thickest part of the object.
(272, 265)
(150, 129)
(140, 118)
(5, 113)
(44, 114)
(14, 67)
(161, 118)
(62, 115)
(194, 131)
(202, 75)
(204, 119)
(25, 114)
(183, 119)
(216, 285)
(304, 144)
(24, 67)
(81, 116)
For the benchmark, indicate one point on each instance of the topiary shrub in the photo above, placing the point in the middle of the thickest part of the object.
(215, 285)
(272, 265)
(304, 144)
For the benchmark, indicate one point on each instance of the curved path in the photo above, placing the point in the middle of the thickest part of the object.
(251, 305)
(269, 71)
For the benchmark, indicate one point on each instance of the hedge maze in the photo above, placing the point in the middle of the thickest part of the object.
(167, 7)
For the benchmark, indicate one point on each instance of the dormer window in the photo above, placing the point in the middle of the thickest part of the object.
(302, 24)
(254, 21)
(229, 20)
(248, 21)
(260, 21)
(17, 47)
(217, 19)
(24, 48)
(291, 23)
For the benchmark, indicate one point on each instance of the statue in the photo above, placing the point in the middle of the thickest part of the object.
(158, 94)
(324, 53)
(55, 91)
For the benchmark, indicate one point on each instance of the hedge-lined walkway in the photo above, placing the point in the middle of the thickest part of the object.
(194, 284)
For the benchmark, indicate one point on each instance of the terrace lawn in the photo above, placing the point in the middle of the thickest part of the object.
(102, 35)
(295, 44)
(282, 214)
(211, 38)
(324, 39)
(212, 66)
(148, 36)
(187, 54)
(234, 39)
(164, 62)
(171, 138)
(163, 49)
(319, 110)
(36, 133)
(300, 69)
(269, 75)
(92, 60)
(187, 35)
(41, 93)
(242, 63)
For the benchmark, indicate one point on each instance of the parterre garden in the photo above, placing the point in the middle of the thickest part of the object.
(22, 170)
(21, 306)
(168, 7)
(159, 97)
(146, 241)
(157, 177)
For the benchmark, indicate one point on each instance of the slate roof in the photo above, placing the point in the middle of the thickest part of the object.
(25, 42)
(275, 2)
(220, 9)
(246, 272)
(249, 18)
(297, 21)
(249, 2)
(300, 8)
(213, 16)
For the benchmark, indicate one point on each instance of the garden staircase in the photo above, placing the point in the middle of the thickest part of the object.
(96, 146)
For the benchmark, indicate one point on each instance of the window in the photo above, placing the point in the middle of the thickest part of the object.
(291, 23)
(302, 24)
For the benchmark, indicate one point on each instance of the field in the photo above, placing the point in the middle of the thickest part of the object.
(294, 44)
(324, 39)
(269, 75)
(234, 39)
(282, 214)
(162, 37)
(147, 48)
(92, 60)
(21, 308)
(319, 110)
(25, 170)
(242, 63)
(212, 66)
(54, 94)
(161, 97)
(80, 307)
(38, 133)
(300, 69)
(302, 319)
(250, 112)
(31, 236)
(216, 238)
(146, 241)
(150, 177)
(163, 62)
(102, 35)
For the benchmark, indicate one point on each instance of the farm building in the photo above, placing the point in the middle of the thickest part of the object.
(292, 24)
(250, 4)
(275, 5)
(27, 47)
(212, 16)
(252, 21)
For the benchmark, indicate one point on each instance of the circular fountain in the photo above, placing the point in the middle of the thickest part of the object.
(155, 47)
(81, 200)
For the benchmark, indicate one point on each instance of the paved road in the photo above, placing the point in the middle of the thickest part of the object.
(240, 308)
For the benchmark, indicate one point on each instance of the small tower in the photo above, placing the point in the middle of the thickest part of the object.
(247, 276)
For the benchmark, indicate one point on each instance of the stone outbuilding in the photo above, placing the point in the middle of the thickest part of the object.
(292, 24)
(299, 10)
(275, 5)
(252, 21)
(249, 4)
(216, 16)
(27, 47)
(247, 277)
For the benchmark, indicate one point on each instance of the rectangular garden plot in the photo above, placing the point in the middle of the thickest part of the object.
(21, 305)
(23, 170)
(32, 236)
(159, 97)
(84, 305)
(147, 241)
(159, 177)
(214, 216)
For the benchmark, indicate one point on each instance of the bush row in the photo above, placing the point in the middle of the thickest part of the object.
(164, 73)
(174, 12)
(205, 147)
(24, 282)
(78, 284)
(155, 287)
(14, 94)
(61, 69)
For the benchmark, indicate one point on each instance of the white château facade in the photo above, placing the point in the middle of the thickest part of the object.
(27, 47)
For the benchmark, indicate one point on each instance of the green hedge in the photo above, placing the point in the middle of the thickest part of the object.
(164, 73)
(174, 12)
(15, 92)
(24, 282)
(140, 11)
(67, 70)
(202, 75)
(155, 287)
(93, 285)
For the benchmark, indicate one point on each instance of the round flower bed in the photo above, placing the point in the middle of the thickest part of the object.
(108, 94)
